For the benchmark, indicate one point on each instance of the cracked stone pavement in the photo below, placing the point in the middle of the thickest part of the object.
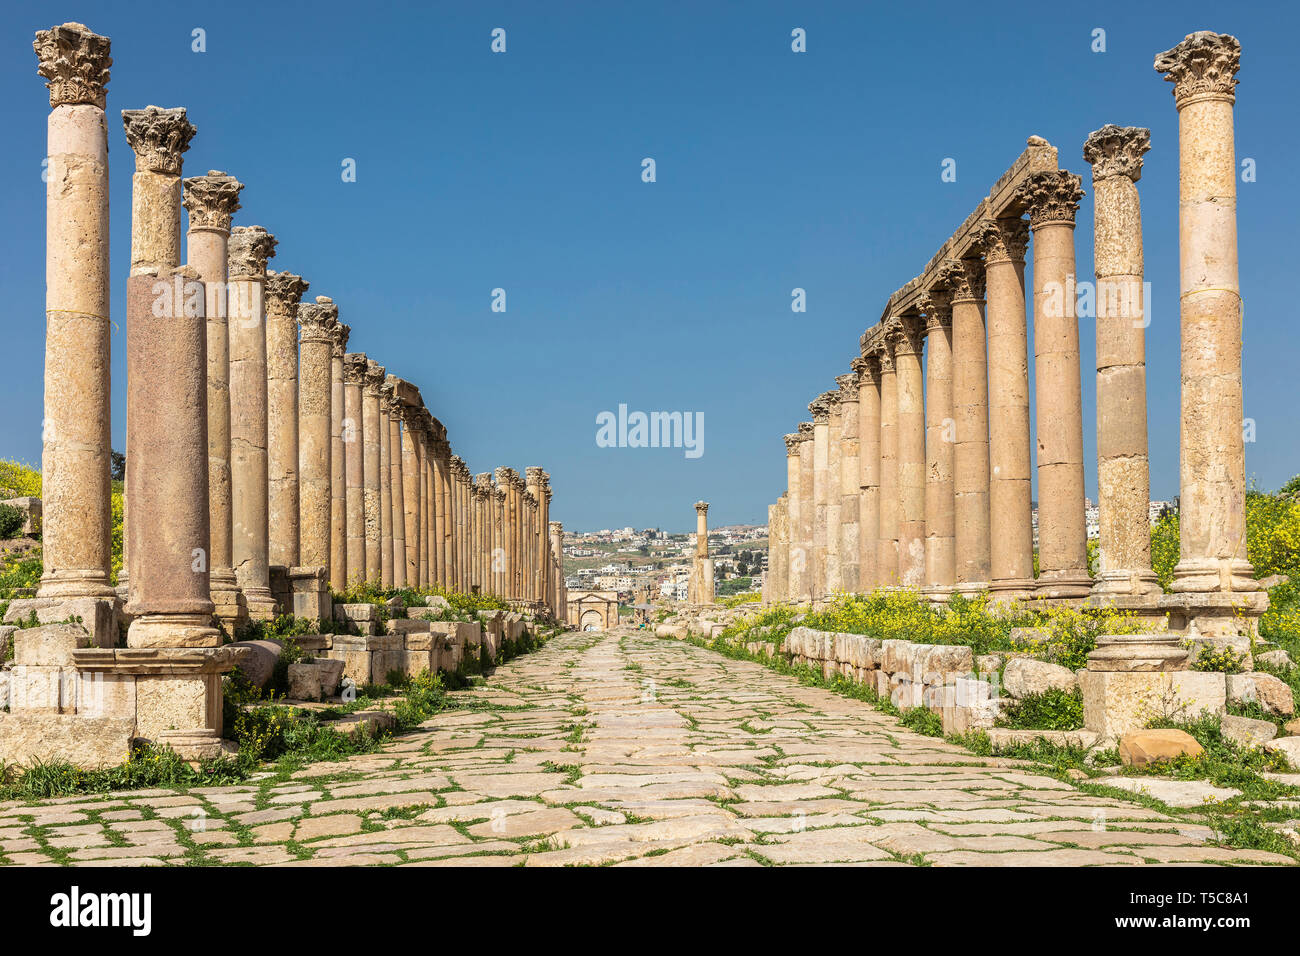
(622, 748)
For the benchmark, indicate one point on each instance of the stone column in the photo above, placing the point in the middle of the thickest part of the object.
(422, 489)
(802, 557)
(354, 376)
(396, 486)
(1011, 531)
(75, 436)
(908, 342)
(940, 446)
(439, 545)
(498, 540)
(703, 563)
(385, 488)
(431, 429)
(820, 408)
(170, 604)
(1123, 470)
(556, 530)
(371, 427)
(794, 559)
(778, 551)
(887, 537)
(868, 472)
(1212, 566)
(411, 496)
(250, 248)
(211, 201)
(462, 520)
(158, 137)
(970, 399)
(317, 322)
(536, 478)
(284, 291)
(338, 462)
(849, 488)
(834, 435)
(1053, 199)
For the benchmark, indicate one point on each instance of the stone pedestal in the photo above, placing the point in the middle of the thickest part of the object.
(1133, 679)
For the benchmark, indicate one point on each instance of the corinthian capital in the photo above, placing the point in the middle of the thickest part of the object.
(159, 137)
(792, 443)
(848, 384)
(283, 292)
(805, 431)
(211, 200)
(964, 278)
(1052, 197)
(250, 248)
(1204, 65)
(318, 320)
(338, 336)
(75, 61)
(936, 306)
(354, 368)
(1004, 240)
(820, 407)
(1116, 151)
(374, 377)
(701, 507)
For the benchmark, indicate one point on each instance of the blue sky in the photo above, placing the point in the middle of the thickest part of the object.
(775, 170)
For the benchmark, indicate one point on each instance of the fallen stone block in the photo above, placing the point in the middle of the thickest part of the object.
(1004, 737)
(304, 681)
(1271, 693)
(1142, 748)
(1247, 731)
(1288, 747)
(1025, 676)
(87, 742)
(258, 660)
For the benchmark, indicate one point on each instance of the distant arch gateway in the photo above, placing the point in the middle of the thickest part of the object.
(593, 610)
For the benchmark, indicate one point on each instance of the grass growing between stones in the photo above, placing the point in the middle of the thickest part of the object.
(1240, 823)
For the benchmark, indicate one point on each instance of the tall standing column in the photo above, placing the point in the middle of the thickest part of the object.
(316, 321)
(498, 540)
(536, 479)
(506, 482)
(439, 570)
(385, 487)
(1011, 531)
(411, 496)
(431, 429)
(908, 342)
(75, 436)
(1123, 470)
(371, 429)
(159, 138)
(396, 485)
(556, 531)
(1212, 474)
(848, 482)
(250, 248)
(422, 490)
(970, 399)
(887, 537)
(461, 520)
(284, 291)
(834, 436)
(354, 376)
(793, 559)
(940, 518)
(820, 408)
(170, 603)
(211, 201)
(1053, 199)
(338, 461)
(868, 473)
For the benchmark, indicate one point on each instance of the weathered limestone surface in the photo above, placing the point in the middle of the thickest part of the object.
(887, 536)
(315, 441)
(249, 249)
(849, 486)
(868, 471)
(338, 460)
(284, 292)
(354, 374)
(75, 432)
(908, 342)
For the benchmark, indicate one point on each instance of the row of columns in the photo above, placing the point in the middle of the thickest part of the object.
(254, 438)
(922, 479)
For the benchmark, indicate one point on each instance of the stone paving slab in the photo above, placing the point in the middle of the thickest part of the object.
(627, 750)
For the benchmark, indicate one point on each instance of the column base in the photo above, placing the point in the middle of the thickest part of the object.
(1217, 618)
(63, 585)
(970, 589)
(1067, 584)
(937, 594)
(1006, 590)
(173, 630)
(1138, 583)
(1204, 575)
(261, 603)
(231, 608)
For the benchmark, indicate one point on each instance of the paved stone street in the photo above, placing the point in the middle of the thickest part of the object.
(623, 748)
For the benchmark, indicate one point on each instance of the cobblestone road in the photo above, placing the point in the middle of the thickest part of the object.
(626, 749)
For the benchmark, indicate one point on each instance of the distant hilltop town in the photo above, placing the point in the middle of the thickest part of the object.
(653, 564)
